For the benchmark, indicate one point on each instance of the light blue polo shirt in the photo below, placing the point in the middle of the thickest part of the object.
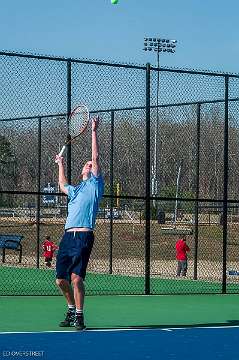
(84, 202)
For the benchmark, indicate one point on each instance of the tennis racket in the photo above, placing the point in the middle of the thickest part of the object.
(78, 122)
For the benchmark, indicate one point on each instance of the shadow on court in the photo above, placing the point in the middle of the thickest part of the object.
(228, 323)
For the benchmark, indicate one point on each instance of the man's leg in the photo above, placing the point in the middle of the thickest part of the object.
(84, 243)
(79, 296)
(66, 290)
(79, 291)
(179, 268)
(48, 262)
(184, 268)
(63, 263)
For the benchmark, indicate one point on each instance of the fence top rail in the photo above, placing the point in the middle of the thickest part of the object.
(196, 72)
(72, 60)
(115, 64)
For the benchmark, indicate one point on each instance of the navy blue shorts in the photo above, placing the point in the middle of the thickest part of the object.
(73, 254)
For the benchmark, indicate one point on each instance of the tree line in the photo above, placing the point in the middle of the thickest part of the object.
(177, 143)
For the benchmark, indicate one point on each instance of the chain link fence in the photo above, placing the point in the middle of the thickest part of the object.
(192, 138)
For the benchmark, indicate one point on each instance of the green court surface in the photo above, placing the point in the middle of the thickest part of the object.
(42, 310)
(43, 313)
(25, 281)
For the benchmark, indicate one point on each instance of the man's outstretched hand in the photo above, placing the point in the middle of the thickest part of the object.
(95, 123)
(59, 159)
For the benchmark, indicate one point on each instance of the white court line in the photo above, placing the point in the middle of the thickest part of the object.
(70, 331)
(118, 329)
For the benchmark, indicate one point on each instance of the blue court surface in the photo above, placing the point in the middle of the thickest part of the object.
(117, 344)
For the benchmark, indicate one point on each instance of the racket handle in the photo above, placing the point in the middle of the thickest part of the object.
(61, 152)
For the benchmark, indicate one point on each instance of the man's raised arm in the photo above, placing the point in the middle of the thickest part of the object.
(95, 147)
(62, 179)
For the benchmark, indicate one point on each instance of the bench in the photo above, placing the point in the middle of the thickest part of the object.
(7, 213)
(12, 242)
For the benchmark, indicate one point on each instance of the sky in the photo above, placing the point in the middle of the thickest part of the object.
(206, 31)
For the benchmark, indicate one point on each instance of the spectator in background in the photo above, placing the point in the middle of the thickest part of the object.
(181, 255)
(49, 247)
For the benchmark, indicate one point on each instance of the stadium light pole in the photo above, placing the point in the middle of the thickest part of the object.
(157, 45)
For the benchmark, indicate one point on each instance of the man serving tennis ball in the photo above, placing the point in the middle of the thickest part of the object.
(77, 242)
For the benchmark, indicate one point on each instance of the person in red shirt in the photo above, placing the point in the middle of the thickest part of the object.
(49, 247)
(181, 255)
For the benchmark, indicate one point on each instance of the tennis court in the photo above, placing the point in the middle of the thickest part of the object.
(137, 327)
(135, 306)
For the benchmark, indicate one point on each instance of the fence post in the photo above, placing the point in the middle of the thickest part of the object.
(68, 114)
(111, 192)
(225, 190)
(197, 191)
(38, 209)
(147, 185)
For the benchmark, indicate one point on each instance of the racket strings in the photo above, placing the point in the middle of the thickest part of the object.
(78, 121)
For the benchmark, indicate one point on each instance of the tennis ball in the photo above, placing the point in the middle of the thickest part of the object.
(114, 2)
